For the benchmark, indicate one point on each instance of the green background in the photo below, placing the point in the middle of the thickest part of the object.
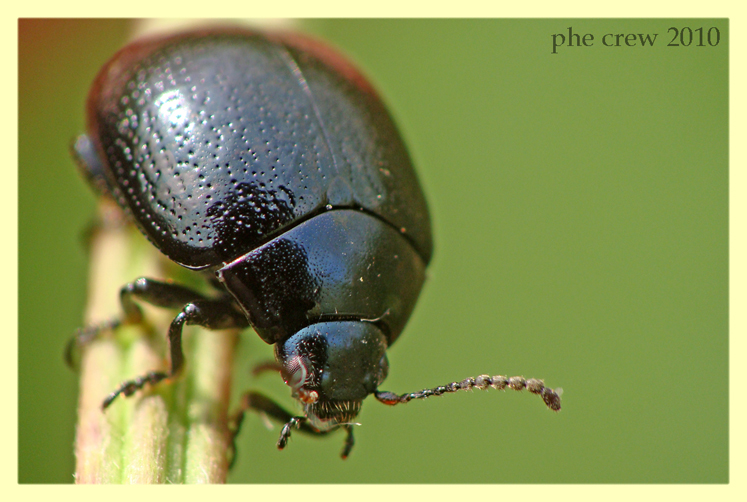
(580, 212)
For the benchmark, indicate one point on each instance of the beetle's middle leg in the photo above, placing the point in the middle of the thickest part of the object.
(195, 309)
(158, 293)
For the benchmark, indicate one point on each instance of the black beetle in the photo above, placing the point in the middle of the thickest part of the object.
(269, 162)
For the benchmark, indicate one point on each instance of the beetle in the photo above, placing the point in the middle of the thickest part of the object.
(269, 163)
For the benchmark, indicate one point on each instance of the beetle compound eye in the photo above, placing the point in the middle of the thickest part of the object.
(296, 372)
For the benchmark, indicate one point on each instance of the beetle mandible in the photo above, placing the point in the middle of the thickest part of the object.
(269, 163)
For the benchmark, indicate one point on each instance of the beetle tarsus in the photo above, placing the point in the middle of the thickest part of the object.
(285, 433)
(85, 336)
(129, 387)
(349, 442)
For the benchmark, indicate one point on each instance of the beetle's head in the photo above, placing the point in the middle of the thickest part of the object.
(331, 367)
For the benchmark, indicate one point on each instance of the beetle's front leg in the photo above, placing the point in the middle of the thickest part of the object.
(262, 404)
(301, 423)
(199, 310)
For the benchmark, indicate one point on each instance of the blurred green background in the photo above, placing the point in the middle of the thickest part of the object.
(579, 203)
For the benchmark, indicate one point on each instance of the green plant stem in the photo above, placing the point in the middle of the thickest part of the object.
(174, 432)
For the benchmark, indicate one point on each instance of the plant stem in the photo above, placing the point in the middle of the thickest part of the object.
(174, 432)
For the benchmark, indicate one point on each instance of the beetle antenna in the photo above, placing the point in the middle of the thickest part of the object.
(549, 396)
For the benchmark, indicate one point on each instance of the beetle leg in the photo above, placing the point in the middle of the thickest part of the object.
(160, 294)
(131, 386)
(84, 336)
(263, 404)
(285, 432)
(89, 164)
(267, 366)
(210, 314)
(349, 442)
